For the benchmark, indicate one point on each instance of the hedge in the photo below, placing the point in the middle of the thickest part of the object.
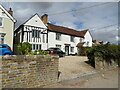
(106, 51)
(82, 51)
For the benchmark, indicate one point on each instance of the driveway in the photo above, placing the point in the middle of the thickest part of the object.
(74, 66)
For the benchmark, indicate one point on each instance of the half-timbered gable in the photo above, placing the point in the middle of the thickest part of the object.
(33, 31)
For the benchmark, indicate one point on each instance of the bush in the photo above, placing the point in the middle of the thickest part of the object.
(39, 52)
(107, 52)
(82, 51)
(24, 48)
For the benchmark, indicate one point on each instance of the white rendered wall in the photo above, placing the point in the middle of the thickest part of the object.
(36, 21)
(88, 38)
(65, 39)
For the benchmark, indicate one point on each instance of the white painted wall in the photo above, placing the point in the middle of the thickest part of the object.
(36, 21)
(7, 28)
(87, 38)
(65, 39)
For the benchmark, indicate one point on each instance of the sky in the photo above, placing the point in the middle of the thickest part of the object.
(101, 18)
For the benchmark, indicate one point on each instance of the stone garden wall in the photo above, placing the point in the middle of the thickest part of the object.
(102, 64)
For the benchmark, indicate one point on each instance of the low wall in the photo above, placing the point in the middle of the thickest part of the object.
(29, 71)
(102, 64)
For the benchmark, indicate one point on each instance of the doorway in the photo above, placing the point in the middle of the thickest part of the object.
(67, 50)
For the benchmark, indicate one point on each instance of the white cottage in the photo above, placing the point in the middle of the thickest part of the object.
(43, 35)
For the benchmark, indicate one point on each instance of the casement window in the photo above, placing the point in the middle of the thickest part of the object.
(58, 36)
(36, 46)
(43, 38)
(72, 49)
(58, 46)
(81, 39)
(36, 33)
(72, 38)
(87, 43)
(1, 21)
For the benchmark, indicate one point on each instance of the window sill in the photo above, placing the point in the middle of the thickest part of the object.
(58, 40)
(1, 26)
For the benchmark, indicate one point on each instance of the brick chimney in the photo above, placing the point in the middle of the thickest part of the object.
(10, 11)
(44, 18)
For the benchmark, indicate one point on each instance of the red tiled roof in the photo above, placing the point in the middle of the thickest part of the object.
(80, 44)
(66, 30)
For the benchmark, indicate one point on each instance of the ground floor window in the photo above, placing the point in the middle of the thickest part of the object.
(2, 38)
(36, 46)
(58, 46)
(72, 49)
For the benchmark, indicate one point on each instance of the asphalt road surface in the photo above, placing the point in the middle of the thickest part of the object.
(106, 79)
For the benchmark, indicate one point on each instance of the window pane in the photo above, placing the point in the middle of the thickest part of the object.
(33, 46)
(39, 47)
(32, 33)
(0, 21)
(72, 49)
(72, 38)
(36, 46)
(58, 36)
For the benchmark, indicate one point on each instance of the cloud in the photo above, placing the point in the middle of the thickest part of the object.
(73, 16)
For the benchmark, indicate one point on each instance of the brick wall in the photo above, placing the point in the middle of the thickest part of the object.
(29, 71)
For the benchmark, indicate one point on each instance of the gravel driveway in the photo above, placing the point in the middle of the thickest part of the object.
(73, 67)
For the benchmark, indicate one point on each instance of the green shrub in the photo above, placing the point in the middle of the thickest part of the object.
(107, 52)
(24, 48)
(39, 52)
(82, 51)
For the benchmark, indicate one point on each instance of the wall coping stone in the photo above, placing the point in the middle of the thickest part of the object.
(29, 57)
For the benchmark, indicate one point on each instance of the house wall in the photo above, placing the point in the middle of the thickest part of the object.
(87, 38)
(36, 22)
(65, 39)
(34, 40)
(8, 29)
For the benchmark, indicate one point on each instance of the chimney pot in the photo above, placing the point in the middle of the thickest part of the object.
(10, 12)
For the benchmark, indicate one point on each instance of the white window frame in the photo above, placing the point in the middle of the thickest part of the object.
(2, 35)
(87, 43)
(81, 39)
(72, 38)
(58, 46)
(72, 49)
(58, 36)
(2, 21)
(39, 46)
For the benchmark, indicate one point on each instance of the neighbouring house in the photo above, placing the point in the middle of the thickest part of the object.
(97, 42)
(7, 23)
(33, 31)
(43, 35)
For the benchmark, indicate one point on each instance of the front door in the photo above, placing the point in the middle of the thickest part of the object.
(67, 50)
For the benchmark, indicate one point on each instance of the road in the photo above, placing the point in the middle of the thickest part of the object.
(106, 79)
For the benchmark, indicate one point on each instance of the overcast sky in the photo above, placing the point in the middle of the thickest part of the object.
(100, 18)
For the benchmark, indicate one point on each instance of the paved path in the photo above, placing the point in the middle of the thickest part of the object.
(108, 79)
(73, 67)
